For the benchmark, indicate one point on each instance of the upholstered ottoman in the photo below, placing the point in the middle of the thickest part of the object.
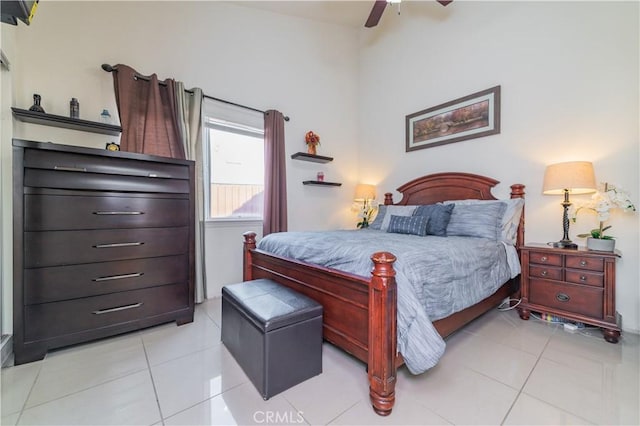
(273, 332)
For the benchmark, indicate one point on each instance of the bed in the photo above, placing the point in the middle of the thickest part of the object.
(360, 311)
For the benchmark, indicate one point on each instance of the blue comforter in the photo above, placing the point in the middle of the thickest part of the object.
(435, 276)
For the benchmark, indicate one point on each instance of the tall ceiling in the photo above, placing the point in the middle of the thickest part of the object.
(352, 13)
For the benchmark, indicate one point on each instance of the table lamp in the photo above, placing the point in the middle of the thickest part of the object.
(575, 177)
(365, 194)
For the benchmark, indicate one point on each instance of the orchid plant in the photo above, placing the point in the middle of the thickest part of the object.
(366, 211)
(608, 197)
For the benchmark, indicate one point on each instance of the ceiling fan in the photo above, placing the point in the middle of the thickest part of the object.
(380, 5)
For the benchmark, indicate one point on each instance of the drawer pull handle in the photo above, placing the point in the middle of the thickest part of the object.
(70, 169)
(543, 273)
(117, 245)
(583, 263)
(583, 278)
(562, 297)
(119, 308)
(116, 213)
(543, 258)
(118, 277)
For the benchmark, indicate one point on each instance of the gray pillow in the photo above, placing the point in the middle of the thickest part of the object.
(415, 225)
(439, 216)
(377, 222)
(477, 220)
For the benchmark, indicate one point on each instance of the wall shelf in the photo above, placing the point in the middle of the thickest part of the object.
(320, 183)
(65, 122)
(310, 157)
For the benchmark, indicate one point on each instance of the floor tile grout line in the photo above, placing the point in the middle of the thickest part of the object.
(153, 383)
(24, 404)
(527, 379)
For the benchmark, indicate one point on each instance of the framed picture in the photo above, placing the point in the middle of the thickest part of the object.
(470, 117)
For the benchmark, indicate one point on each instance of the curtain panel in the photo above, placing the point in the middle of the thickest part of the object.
(147, 111)
(189, 119)
(275, 182)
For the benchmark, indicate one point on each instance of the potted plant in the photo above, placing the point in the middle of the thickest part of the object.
(601, 203)
(313, 140)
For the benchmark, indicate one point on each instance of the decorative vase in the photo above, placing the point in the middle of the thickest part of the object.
(311, 149)
(36, 104)
(600, 244)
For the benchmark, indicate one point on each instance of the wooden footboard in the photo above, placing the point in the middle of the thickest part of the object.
(360, 312)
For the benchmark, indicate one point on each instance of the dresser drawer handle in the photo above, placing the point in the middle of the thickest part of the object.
(70, 169)
(544, 273)
(543, 258)
(583, 263)
(562, 297)
(116, 213)
(119, 308)
(118, 277)
(583, 278)
(117, 245)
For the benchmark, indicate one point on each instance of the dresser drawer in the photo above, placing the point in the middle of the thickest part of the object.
(102, 182)
(579, 299)
(61, 161)
(542, 258)
(550, 273)
(76, 281)
(584, 277)
(590, 263)
(57, 248)
(53, 212)
(49, 320)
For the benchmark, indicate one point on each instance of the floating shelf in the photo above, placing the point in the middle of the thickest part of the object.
(321, 183)
(65, 122)
(310, 157)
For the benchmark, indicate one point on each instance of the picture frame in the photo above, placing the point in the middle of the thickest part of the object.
(470, 117)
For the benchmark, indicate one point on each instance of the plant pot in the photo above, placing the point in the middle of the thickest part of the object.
(311, 149)
(600, 245)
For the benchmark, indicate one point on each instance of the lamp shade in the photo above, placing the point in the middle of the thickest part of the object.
(575, 176)
(365, 192)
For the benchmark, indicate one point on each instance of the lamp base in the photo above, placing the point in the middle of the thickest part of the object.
(565, 244)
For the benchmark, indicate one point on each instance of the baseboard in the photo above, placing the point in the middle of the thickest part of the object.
(6, 351)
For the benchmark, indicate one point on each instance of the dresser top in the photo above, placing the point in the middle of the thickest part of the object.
(50, 146)
(582, 250)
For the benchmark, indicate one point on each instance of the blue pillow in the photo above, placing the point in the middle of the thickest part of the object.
(377, 222)
(439, 216)
(477, 220)
(415, 225)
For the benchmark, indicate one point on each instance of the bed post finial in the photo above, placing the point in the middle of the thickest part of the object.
(249, 244)
(383, 339)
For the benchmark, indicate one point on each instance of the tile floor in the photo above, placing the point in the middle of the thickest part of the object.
(498, 370)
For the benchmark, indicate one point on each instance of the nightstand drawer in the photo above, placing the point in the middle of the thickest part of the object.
(582, 277)
(591, 263)
(579, 299)
(550, 273)
(545, 258)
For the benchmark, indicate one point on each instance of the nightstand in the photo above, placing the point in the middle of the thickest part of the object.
(579, 285)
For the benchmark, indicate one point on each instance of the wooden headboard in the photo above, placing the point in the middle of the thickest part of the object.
(440, 187)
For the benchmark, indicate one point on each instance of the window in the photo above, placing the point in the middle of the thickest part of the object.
(234, 144)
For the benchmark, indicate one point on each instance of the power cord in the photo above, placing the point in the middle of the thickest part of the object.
(502, 308)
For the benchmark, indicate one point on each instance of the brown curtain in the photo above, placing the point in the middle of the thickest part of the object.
(275, 182)
(147, 111)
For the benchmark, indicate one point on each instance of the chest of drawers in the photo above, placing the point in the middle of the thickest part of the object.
(103, 244)
(574, 284)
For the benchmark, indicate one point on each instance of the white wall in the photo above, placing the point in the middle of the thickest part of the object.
(568, 71)
(305, 69)
(569, 76)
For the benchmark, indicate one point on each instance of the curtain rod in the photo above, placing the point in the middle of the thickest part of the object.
(109, 68)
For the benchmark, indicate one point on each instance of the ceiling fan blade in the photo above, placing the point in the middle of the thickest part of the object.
(444, 2)
(376, 13)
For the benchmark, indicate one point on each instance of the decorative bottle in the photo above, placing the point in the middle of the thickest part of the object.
(36, 104)
(105, 117)
(74, 108)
